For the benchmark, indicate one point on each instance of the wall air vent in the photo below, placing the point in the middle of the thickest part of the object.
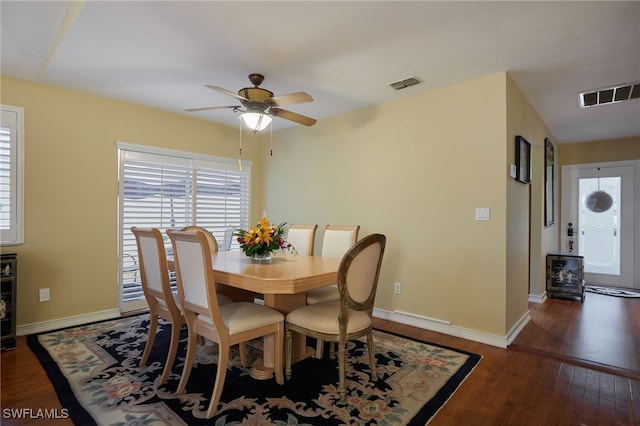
(411, 81)
(609, 95)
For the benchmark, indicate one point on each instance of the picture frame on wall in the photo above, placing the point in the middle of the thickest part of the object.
(523, 160)
(549, 183)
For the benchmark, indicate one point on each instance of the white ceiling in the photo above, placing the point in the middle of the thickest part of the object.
(343, 53)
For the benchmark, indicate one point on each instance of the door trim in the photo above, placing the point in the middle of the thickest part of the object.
(564, 200)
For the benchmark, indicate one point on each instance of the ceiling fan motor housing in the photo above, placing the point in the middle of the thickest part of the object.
(255, 94)
(262, 101)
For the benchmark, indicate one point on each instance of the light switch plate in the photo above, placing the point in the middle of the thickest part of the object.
(512, 171)
(482, 213)
(44, 295)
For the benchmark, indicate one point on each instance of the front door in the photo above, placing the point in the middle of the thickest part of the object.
(599, 201)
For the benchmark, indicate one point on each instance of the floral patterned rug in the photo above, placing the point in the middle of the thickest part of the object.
(94, 369)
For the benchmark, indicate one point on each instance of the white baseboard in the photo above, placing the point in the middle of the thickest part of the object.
(39, 327)
(445, 327)
(517, 328)
(534, 298)
(432, 324)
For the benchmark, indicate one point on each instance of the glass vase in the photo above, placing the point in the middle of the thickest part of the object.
(262, 257)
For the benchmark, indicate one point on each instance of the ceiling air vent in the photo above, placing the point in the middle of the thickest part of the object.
(609, 95)
(411, 81)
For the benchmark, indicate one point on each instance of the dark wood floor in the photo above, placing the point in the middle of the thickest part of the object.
(548, 383)
(603, 333)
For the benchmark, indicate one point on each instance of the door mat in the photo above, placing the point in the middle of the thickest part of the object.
(618, 292)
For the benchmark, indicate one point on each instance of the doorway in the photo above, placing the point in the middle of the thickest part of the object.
(600, 221)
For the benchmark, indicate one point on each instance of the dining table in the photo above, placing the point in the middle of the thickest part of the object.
(282, 282)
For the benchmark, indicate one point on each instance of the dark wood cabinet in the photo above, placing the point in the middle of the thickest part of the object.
(565, 276)
(9, 276)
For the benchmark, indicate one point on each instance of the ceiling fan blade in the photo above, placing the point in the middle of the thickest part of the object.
(212, 108)
(227, 92)
(290, 99)
(293, 116)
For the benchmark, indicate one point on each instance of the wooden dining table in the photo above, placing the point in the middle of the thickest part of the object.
(283, 283)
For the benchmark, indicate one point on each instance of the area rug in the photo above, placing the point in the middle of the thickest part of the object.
(94, 369)
(618, 292)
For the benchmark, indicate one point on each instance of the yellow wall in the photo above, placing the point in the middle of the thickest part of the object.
(523, 120)
(600, 151)
(415, 169)
(70, 190)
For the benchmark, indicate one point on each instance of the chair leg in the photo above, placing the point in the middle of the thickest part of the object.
(221, 374)
(319, 348)
(210, 347)
(173, 348)
(188, 363)
(288, 353)
(242, 348)
(153, 328)
(342, 368)
(279, 343)
(372, 356)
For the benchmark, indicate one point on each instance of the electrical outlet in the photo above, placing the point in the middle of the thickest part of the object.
(45, 295)
(397, 288)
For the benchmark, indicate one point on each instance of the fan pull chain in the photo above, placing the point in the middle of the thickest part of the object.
(271, 148)
(240, 150)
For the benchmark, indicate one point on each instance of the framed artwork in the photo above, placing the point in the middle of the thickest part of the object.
(549, 183)
(523, 160)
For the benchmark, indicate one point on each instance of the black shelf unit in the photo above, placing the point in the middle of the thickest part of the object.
(565, 276)
(9, 277)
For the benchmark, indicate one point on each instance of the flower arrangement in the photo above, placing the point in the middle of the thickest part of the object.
(263, 240)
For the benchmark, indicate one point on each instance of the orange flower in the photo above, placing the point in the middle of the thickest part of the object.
(264, 238)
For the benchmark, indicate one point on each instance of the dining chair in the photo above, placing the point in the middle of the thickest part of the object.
(222, 299)
(336, 240)
(303, 238)
(156, 286)
(213, 243)
(227, 325)
(213, 247)
(350, 317)
(228, 238)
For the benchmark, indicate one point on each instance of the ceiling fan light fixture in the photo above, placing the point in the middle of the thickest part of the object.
(255, 121)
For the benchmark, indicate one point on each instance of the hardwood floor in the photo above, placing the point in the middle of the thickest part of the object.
(573, 364)
(603, 333)
(559, 380)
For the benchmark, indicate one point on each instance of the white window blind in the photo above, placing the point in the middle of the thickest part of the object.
(168, 189)
(11, 175)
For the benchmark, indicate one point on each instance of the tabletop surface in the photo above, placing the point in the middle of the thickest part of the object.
(285, 273)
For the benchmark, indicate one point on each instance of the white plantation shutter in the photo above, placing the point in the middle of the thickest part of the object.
(168, 189)
(11, 175)
(222, 200)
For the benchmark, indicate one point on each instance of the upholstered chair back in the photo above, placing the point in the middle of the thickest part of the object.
(303, 238)
(338, 239)
(194, 272)
(153, 262)
(359, 273)
(213, 243)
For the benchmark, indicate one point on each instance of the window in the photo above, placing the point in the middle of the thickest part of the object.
(11, 175)
(169, 189)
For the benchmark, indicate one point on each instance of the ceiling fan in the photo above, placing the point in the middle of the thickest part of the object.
(260, 105)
